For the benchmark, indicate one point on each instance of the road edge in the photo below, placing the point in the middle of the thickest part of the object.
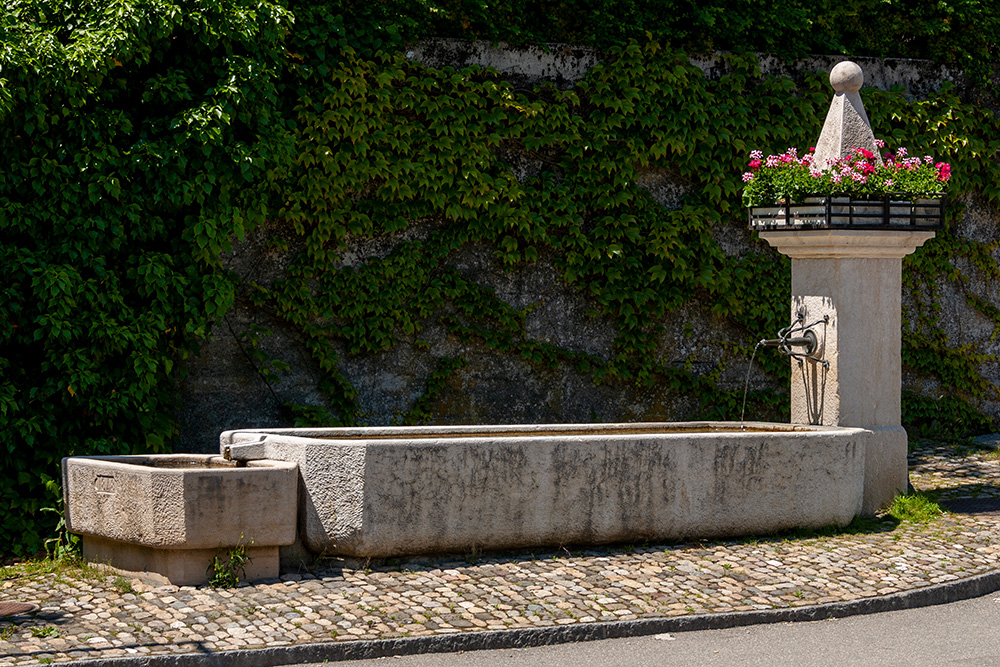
(952, 591)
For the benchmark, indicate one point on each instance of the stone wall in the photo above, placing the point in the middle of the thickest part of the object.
(223, 390)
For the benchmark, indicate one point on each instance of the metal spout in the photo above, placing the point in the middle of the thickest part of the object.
(807, 340)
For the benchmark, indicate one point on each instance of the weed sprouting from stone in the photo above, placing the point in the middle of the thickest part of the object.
(122, 585)
(48, 631)
(227, 570)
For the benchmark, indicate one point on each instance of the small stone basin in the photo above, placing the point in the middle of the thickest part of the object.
(167, 516)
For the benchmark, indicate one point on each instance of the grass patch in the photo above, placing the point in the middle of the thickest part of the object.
(45, 632)
(42, 566)
(914, 508)
(123, 585)
(71, 566)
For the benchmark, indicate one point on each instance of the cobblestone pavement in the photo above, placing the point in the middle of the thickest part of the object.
(94, 614)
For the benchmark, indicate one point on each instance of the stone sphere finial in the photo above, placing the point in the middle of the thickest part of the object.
(846, 76)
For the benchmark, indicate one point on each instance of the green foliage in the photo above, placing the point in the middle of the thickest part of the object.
(47, 631)
(914, 508)
(960, 32)
(385, 142)
(944, 417)
(227, 569)
(123, 585)
(63, 546)
(143, 138)
(136, 137)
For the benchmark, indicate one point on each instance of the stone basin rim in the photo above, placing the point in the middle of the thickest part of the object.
(202, 463)
(702, 429)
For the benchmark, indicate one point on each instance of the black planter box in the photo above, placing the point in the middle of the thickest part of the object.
(893, 211)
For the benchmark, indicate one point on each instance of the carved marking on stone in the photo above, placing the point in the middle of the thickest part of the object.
(104, 484)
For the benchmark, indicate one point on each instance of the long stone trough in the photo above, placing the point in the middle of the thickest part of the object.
(378, 492)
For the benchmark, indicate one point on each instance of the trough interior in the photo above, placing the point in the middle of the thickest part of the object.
(512, 431)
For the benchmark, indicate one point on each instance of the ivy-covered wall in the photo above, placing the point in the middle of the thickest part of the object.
(520, 334)
(420, 232)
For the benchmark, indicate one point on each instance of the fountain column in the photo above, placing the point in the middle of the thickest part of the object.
(858, 274)
(854, 276)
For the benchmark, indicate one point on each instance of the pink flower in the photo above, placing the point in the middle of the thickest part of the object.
(861, 171)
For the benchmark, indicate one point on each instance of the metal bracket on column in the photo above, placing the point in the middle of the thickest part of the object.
(806, 339)
(814, 393)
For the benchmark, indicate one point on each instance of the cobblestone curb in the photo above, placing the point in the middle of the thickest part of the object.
(528, 637)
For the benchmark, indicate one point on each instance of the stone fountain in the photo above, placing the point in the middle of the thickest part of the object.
(388, 491)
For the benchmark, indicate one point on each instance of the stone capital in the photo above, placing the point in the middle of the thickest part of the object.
(846, 243)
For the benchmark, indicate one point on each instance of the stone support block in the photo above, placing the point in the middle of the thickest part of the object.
(180, 567)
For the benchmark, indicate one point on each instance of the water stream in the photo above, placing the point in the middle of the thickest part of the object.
(746, 384)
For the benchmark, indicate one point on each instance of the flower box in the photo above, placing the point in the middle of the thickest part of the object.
(890, 211)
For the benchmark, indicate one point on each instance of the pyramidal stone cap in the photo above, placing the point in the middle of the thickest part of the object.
(846, 128)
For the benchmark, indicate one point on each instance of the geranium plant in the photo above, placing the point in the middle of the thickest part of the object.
(859, 175)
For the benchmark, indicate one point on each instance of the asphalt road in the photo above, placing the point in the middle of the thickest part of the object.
(960, 633)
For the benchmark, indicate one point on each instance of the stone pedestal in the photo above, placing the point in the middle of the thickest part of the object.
(858, 275)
